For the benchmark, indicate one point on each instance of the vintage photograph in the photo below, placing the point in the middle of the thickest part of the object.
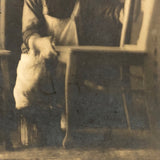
(79, 80)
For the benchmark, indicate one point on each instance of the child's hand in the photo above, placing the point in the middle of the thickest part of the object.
(121, 16)
(42, 46)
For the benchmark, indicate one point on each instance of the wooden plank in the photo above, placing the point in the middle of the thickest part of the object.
(5, 52)
(130, 49)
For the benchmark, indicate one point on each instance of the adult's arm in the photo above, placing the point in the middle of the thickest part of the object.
(32, 20)
(114, 10)
(33, 29)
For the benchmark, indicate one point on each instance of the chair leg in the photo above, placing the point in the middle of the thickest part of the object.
(124, 101)
(24, 131)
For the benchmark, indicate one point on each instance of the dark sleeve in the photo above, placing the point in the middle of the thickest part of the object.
(32, 20)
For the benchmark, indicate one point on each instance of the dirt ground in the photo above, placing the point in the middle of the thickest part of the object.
(142, 145)
(82, 154)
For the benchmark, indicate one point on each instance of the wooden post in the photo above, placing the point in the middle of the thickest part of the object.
(2, 23)
(127, 9)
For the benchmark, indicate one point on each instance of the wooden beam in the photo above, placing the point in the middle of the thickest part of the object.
(2, 24)
(127, 10)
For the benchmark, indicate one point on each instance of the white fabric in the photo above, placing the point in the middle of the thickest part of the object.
(29, 70)
(64, 30)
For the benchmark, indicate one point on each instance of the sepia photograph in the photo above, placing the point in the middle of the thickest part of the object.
(79, 80)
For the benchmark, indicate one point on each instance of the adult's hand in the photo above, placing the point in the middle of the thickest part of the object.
(121, 16)
(42, 46)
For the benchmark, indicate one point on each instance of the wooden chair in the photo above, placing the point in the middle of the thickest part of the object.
(85, 82)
